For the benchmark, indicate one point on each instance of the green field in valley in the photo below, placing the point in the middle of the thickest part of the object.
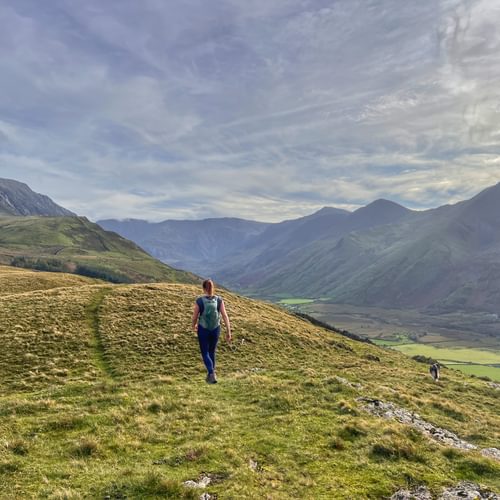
(461, 341)
(492, 372)
(295, 302)
(468, 360)
(461, 355)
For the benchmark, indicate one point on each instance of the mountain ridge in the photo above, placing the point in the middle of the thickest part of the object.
(382, 254)
(17, 198)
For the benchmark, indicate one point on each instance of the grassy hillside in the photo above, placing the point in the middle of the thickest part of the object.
(14, 280)
(103, 396)
(75, 245)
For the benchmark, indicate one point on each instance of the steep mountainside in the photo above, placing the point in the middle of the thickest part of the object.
(193, 245)
(442, 259)
(75, 245)
(280, 246)
(103, 396)
(16, 198)
(210, 245)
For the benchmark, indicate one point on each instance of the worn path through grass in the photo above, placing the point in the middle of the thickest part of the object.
(93, 311)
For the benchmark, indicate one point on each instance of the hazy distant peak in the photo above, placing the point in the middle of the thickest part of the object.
(383, 204)
(331, 211)
(378, 212)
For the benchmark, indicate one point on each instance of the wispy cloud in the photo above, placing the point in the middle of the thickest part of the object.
(258, 109)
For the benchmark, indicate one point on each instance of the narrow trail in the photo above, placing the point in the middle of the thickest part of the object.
(100, 358)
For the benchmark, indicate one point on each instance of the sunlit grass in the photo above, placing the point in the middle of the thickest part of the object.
(103, 395)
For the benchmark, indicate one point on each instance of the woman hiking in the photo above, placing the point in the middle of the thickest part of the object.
(206, 322)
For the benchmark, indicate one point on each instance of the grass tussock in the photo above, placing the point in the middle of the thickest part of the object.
(395, 448)
(85, 448)
(151, 485)
(17, 447)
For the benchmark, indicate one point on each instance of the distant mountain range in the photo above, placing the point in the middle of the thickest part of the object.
(382, 254)
(16, 198)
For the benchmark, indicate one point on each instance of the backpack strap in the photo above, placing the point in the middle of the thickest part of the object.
(219, 303)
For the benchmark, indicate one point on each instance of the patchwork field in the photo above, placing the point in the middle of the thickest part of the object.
(466, 342)
(103, 396)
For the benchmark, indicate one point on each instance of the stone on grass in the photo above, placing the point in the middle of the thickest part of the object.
(203, 482)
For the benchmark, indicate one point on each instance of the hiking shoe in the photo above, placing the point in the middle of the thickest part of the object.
(211, 379)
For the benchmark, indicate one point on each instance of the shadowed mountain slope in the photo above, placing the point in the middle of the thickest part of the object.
(16, 198)
(193, 245)
(207, 246)
(103, 394)
(444, 259)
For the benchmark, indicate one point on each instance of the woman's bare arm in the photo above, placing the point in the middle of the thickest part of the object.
(196, 314)
(225, 317)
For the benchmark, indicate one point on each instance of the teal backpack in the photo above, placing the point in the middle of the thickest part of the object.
(209, 312)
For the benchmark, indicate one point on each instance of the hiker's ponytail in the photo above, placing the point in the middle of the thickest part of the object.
(208, 286)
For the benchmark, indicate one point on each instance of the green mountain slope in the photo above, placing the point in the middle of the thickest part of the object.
(74, 244)
(442, 260)
(103, 395)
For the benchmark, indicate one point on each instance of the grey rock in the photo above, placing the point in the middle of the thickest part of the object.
(444, 436)
(464, 491)
(346, 382)
(207, 496)
(203, 482)
(491, 453)
(468, 491)
(420, 493)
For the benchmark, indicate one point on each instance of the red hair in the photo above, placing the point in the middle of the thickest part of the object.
(208, 286)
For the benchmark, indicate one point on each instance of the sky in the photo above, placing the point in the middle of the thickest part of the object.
(266, 110)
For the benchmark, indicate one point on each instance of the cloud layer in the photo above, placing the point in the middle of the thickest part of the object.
(265, 110)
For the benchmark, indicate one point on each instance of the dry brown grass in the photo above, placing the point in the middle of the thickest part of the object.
(14, 280)
(45, 338)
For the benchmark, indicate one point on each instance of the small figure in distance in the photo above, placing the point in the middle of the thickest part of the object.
(434, 370)
(208, 310)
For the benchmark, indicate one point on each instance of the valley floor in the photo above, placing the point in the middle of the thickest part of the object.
(466, 342)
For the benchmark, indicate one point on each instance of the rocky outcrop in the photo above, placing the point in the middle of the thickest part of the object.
(463, 491)
(444, 436)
